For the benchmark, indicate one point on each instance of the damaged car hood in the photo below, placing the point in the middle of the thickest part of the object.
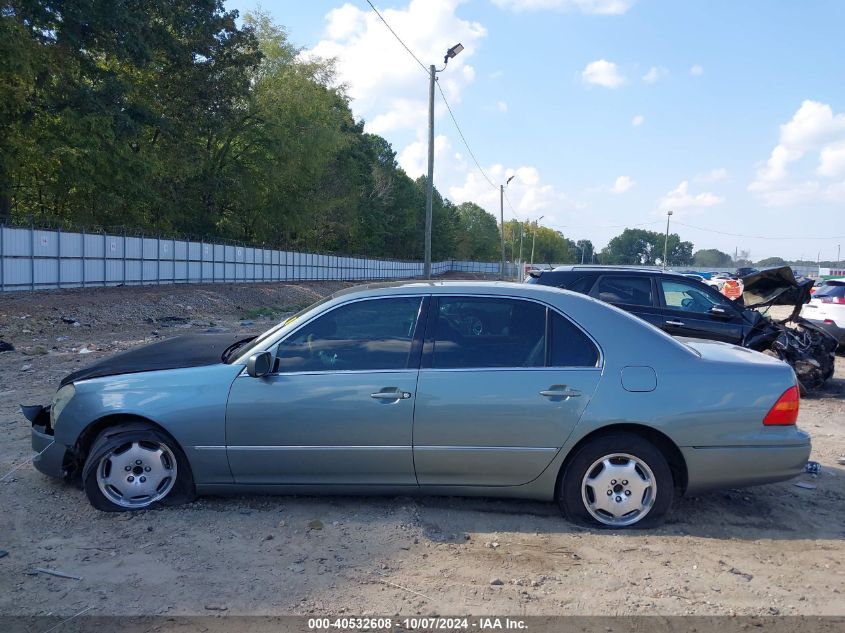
(775, 286)
(192, 350)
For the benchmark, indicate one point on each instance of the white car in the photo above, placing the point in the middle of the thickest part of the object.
(827, 308)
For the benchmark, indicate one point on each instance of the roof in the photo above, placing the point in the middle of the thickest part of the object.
(418, 286)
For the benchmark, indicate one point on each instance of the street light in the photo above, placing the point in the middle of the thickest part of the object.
(534, 239)
(502, 218)
(429, 193)
(666, 240)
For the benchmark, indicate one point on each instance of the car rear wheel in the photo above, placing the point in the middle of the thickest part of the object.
(617, 481)
(133, 466)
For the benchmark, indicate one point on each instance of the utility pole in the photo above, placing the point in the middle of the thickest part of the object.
(666, 239)
(502, 221)
(534, 239)
(521, 231)
(429, 185)
(429, 189)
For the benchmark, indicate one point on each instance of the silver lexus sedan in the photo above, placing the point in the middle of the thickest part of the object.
(454, 388)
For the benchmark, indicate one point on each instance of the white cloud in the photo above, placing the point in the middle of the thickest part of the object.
(654, 74)
(599, 7)
(832, 160)
(527, 191)
(502, 106)
(622, 184)
(414, 157)
(380, 77)
(680, 198)
(813, 128)
(696, 71)
(602, 73)
(637, 120)
(714, 175)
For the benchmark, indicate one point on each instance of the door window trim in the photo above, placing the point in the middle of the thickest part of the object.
(655, 303)
(412, 364)
(431, 324)
(664, 306)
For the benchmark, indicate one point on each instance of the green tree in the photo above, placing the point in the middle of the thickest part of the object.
(642, 247)
(478, 235)
(771, 262)
(712, 258)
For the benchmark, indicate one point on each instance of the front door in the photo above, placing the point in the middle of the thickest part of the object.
(696, 310)
(499, 391)
(338, 409)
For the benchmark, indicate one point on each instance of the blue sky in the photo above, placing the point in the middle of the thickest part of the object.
(610, 112)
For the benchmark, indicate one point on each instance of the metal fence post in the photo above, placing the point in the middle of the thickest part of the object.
(59, 258)
(83, 257)
(105, 261)
(2, 259)
(123, 247)
(32, 257)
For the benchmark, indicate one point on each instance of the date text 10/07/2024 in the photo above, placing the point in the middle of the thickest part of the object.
(417, 624)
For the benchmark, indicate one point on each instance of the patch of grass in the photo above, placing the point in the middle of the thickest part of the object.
(260, 313)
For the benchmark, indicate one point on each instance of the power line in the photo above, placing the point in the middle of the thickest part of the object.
(759, 237)
(399, 39)
(463, 138)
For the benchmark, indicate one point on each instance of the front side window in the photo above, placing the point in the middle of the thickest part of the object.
(489, 332)
(680, 295)
(360, 336)
(634, 291)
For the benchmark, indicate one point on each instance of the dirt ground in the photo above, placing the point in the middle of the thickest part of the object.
(770, 550)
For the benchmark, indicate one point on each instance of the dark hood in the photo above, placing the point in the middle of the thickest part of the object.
(192, 350)
(775, 286)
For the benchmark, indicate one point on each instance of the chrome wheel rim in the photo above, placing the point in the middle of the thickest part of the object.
(618, 489)
(137, 474)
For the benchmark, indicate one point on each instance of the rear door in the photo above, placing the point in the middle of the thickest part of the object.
(492, 408)
(696, 310)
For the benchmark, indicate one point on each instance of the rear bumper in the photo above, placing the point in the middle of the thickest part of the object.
(712, 468)
(834, 330)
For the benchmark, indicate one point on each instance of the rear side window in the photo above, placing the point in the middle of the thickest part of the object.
(831, 291)
(489, 332)
(570, 347)
(629, 290)
(582, 285)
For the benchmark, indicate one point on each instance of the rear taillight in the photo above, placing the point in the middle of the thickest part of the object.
(837, 300)
(785, 411)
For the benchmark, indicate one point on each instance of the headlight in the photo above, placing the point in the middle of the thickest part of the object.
(60, 401)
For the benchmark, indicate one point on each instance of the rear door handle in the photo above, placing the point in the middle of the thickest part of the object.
(560, 392)
(391, 394)
(675, 323)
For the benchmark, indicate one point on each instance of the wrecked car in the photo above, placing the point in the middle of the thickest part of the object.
(689, 308)
(456, 388)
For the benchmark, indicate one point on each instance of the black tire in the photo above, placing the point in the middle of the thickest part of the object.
(570, 497)
(114, 438)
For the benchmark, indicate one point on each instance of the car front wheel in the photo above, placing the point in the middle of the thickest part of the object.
(617, 481)
(133, 466)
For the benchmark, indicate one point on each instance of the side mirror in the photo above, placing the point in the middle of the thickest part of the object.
(259, 364)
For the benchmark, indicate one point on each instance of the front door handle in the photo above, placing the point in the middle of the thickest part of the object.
(560, 391)
(675, 323)
(391, 393)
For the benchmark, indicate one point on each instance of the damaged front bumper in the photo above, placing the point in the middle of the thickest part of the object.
(50, 457)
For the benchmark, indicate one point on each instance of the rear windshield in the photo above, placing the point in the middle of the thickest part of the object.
(836, 289)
